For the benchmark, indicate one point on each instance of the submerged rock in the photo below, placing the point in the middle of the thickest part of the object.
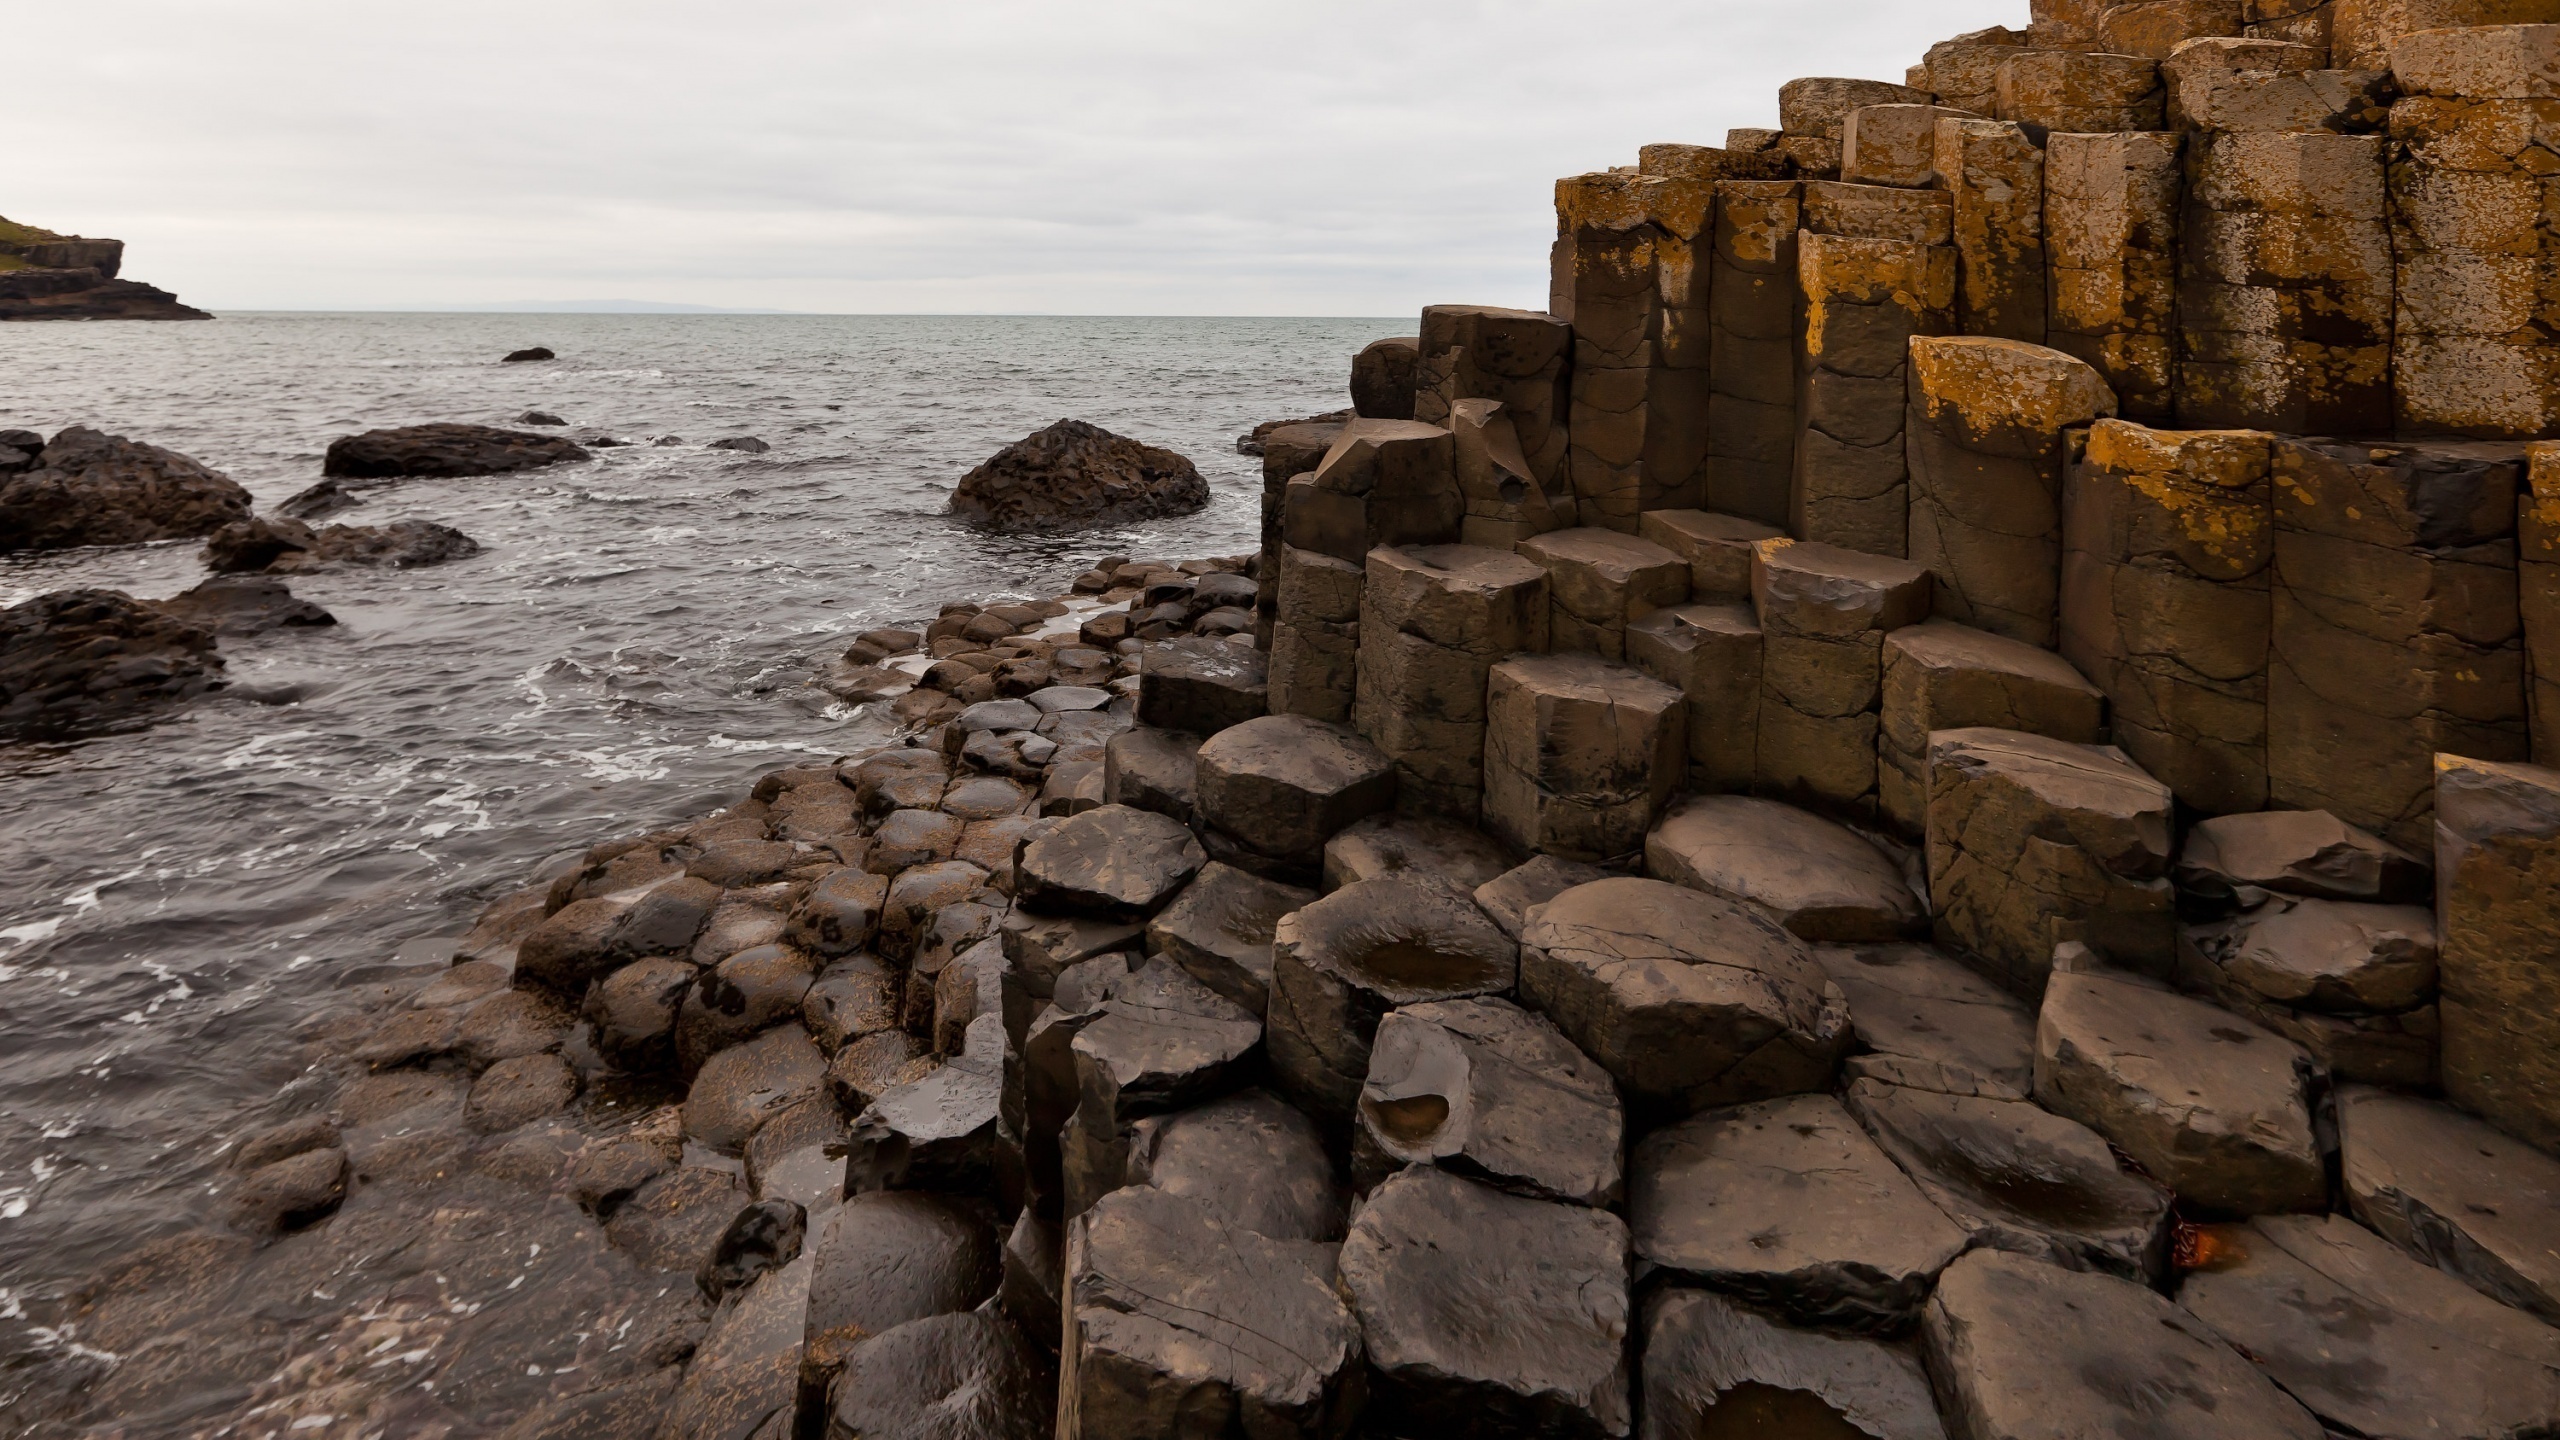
(240, 605)
(444, 449)
(86, 487)
(75, 660)
(536, 352)
(1074, 476)
(282, 544)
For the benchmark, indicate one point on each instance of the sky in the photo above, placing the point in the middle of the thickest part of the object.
(1229, 158)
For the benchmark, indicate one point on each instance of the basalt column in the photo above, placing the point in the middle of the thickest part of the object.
(1384, 482)
(2111, 248)
(1864, 300)
(2167, 540)
(2538, 586)
(2475, 228)
(1824, 613)
(2081, 94)
(1519, 357)
(2285, 279)
(1985, 432)
(1995, 175)
(1755, 306)
(1433, 620)
(1641, 340)
(2396, 626)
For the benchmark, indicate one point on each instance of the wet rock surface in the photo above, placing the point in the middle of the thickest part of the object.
(75, 660)
(1818, 878)
(444, 449)
(86, 487)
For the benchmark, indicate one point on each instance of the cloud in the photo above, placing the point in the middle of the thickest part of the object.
(1242, 157)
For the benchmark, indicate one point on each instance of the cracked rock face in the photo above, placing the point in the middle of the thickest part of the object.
(1342, 963)
(1220, 930)
(1916, 1003)
(1112, 863)
(2302, 852)
(1689, 1000)
(1254, 1161)
(2374, 1342)
(1486, 1089)
(1487, 1311)
(2455, 1193)
(1180, 1324)
(2214, 1107)
(1788, 1204)
(1818, 878)
(2022, 1348)
(1713, 1366)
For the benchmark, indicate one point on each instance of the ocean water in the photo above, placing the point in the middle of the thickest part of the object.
(631, 647)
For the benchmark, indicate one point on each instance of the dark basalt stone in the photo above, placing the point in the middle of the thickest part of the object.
(86, 487)
(444, 449)
(75, 661)
(1075, 476)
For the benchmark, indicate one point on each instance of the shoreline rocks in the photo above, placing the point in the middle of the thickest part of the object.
(444, 450)
(77, 660)
(86, 487)
(1076, 476)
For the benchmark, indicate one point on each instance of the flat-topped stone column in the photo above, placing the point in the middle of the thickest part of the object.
(1994, 174)
(2080, 94)
(1433, 620)
(1315, 634)
(1641, 341)
(1939, 675)
(1580, 755)
(2396, 630)
(2497, 854)
(1519, 357)
(2284, 284)
(1755, 305)
(1710, 651)
(2111, 255)
(1384, 482)
(1986, 426)
(2468, 355)
(2168, 536)
(1717, 547)
(1599, 581)
(1505, 503)
(1864, 300)
(1824, 613)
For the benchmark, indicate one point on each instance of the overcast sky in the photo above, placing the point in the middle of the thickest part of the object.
(1236, 157)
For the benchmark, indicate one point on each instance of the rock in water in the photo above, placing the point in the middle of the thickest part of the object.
(538, 352)
(243, 605)
(89, 488)
(1075, 476)
(77, 659)
(443, 450)
(281, 543)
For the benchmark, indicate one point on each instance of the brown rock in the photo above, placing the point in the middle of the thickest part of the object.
(1384, 482)
(1893, 144)
(1580, 755)
(1712, 654)
(1434, 619)
(1599, 581)
(2079, 93)
(444, 450)
(1201, 685)
(2475, 1203)
(1713, 1366)
(1864, 300)
(1942, 676)
(1485, 1089)
(1819, 879)
(1518, 357)
(1505, 504)
(1113, 863)
(1382, 378)
(1456, 855)
(1315, 636)
(1639, 301)
(90, 488)
(1510, 896)
(519, 1091)
(2111, 228)
(1913, 1003)
(2497, 854)
(1076, 476)
(1282, 785)
(1752, 304)
(745, 1085)
(1824, 613)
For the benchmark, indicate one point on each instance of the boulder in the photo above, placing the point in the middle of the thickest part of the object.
(1816, 877)
(1383, 376)
(74, 661)
(738, 999)
(1713, 1366)
(1688, 999)
(2373, 1342)
(916, 896)
(2337, 957)
(841, 912)
(1180, 1324)
(909, 777)
(2021, 1348)
(945, 1375)
(1488, 1313)
(912, 837)
(400, 545)
(763, 1238)
(1580, 755)
(255, 543)
(1250, 1159)
(1201, 685)
(2299, 852)
(937, 1132)
(1113, 862)
(1341, 963)
(1282, 785)
(2498, 917)
(289, 1191)
(883, 1259)
(535, 352)
(1787, 1203)
(1511, 895)
(1485, 1089)
(2212, 1106)
(2457, 1194)
(1076, 476)
(1461, 856)
(518, 1091)
(90, 488)
(443, 450)
(1912, 1002)
(1219, 928)
(2034, 842)
(2012, 1175)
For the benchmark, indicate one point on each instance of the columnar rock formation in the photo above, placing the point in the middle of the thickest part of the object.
(1380, 1042)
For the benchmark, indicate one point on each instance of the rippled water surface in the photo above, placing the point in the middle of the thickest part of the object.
(630, 647)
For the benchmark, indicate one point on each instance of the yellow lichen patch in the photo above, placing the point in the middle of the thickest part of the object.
(2224, 459)
(2220, 526)
(1992, 382)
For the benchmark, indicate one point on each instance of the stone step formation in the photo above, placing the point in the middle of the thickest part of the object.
(1926, 809)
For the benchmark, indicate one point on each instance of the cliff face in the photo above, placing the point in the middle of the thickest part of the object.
(45, 276)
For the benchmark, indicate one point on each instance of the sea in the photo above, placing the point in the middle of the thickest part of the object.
(632, 646)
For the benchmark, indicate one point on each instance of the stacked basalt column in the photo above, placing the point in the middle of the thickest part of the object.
(1641, 341)
(2168, 536)
(1434, 619)
(2475, 232)
(2538, 594)
(2111, 252)
(2396, 631)
(1517, 357)
(1866, 295)
(1823, 616)
(1986, 425)
(1813, 116)
(1384, 482)
(1993, 172)
(1756, 308)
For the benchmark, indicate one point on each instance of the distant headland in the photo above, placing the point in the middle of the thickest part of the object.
(45, 276)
